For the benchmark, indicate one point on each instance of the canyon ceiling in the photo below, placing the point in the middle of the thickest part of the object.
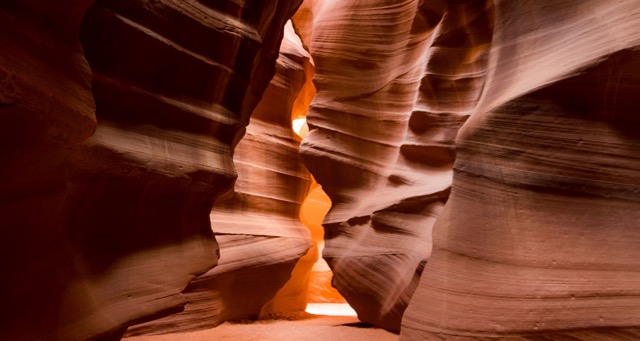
(482, 159)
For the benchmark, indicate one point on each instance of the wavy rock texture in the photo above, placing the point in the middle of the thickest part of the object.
(539, 239)
(258, 228)
(389, 103)
(107, 228)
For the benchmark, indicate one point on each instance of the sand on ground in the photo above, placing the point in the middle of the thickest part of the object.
(307, 328)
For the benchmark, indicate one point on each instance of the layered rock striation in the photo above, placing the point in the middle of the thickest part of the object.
(539, 237)
(395, 80)
(116, 145)
(257, 227)
(107, 205)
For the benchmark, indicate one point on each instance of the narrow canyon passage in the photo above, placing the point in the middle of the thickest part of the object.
(270, 284)
(269, 265)
(320, 170)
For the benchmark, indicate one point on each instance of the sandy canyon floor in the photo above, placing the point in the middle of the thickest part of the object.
(304, 327)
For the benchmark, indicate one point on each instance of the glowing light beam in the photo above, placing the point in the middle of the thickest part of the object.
(331, 309)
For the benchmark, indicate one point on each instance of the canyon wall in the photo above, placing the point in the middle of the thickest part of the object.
(258, 227)
(119, 121)
(538, 236)
(111, 166)
(395, 80)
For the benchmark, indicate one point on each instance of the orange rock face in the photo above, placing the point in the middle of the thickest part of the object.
(314, 209)
(106, 206)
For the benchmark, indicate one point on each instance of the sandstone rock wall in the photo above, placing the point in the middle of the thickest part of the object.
(257, 227)
(395, 80)
(539, 237)
(111, 164)
(105, 206)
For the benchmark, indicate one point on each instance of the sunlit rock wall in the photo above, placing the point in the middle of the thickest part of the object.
(105, 208)
(257, 227)
(540, 235)
(395, 80)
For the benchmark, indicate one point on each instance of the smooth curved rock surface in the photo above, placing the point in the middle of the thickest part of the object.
(389, 103)
(257, 227)
(106, 205)
(539, 238)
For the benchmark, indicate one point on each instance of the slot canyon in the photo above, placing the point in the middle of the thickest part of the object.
(211, 169)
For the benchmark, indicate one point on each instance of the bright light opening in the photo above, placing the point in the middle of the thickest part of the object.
(331, 309)
(300, 126)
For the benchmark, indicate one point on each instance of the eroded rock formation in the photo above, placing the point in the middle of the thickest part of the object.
(389, 103)
(110, 166)
(540, 235)
(258, 228)
(106, 207)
